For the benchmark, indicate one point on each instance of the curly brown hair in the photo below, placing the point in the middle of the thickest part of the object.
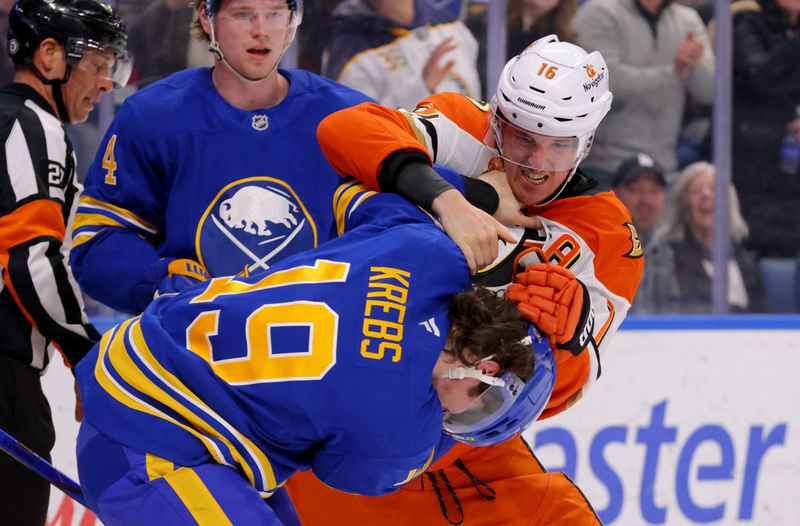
(483, 323)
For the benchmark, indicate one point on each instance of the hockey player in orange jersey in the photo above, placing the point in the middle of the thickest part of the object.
(581, 266)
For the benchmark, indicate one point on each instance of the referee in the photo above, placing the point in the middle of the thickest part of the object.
(67, 54)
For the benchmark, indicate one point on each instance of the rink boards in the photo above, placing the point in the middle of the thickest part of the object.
(694, 421)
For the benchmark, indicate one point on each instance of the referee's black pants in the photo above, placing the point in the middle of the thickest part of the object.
(25, 415)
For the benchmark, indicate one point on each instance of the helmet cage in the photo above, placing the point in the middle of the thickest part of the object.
(503, 411)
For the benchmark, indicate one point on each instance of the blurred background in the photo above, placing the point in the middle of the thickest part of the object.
(702, 144)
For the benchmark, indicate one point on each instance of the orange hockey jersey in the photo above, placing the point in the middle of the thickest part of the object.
(585, 230)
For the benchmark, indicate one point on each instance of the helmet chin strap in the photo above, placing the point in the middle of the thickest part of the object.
(58, 95)
(215, 50)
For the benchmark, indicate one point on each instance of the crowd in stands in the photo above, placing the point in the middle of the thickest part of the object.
(654, 146)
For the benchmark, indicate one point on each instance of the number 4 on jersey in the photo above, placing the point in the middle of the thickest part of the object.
(109, 163)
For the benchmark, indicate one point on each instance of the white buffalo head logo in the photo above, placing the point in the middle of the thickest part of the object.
(253, 208)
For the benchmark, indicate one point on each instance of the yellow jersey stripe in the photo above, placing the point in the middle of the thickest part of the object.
(337, 195)
(421, 137)
(343, 206)
(82, 238)
(157, 467)
(124, 366)
(82, 220)
(197, 498)
(115, 390)
(139, 345)
(91, 202)
(419, 471)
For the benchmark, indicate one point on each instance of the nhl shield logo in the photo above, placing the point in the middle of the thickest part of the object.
(253, 223)
(260, 122)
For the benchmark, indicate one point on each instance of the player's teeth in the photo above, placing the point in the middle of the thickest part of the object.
(535, 179)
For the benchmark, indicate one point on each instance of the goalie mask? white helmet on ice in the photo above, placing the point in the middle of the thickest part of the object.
(552, 89)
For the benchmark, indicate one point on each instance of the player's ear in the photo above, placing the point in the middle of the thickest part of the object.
(202, 17)
(48, 55)
(496, 163)
(488, 367)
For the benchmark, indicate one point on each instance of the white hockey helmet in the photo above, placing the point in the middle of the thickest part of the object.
(551, 89)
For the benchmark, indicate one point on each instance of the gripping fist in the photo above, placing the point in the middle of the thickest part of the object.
(554, 300)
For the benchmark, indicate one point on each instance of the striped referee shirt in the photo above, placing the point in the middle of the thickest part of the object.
(40, 303)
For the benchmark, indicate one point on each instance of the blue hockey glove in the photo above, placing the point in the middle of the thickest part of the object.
(181, 274)
(168, 276)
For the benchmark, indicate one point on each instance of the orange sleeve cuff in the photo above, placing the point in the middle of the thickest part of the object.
(40, 218)
(357, 140)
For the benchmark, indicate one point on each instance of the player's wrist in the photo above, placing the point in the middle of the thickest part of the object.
(481, 194)
(416, 180)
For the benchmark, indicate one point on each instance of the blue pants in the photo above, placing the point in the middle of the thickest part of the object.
(124, 486)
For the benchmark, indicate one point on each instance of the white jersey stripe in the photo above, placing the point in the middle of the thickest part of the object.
(46, 287)
(20, 166)
(56, 149)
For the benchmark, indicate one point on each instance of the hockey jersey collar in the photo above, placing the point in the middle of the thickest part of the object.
(24, 91)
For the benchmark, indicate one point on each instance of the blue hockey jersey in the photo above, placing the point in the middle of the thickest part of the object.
(323, 362)
(182, 173)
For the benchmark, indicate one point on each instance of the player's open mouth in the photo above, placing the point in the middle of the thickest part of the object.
(259, 51)
(534, 178)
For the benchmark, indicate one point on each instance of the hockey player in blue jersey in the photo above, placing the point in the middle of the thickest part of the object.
(218, 166)
(361, 360)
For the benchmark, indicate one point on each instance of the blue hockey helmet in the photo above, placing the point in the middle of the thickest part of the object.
(509, 406)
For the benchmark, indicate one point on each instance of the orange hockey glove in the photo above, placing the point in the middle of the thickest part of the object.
(554, 300)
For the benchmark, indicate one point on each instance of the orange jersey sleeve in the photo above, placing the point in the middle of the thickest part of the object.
(356, 141)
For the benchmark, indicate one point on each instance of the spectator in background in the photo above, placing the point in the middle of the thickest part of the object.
(313, 39)
(6, 65)
(640, 185)
(766, 93)
(659, 53)
(678, 276)
(161, 41)
(128, 9)
(527, 21)
(401, 51)
(704, 8)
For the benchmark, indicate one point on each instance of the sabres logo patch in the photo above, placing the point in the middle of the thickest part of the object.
(251, 224)
(636, 250)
